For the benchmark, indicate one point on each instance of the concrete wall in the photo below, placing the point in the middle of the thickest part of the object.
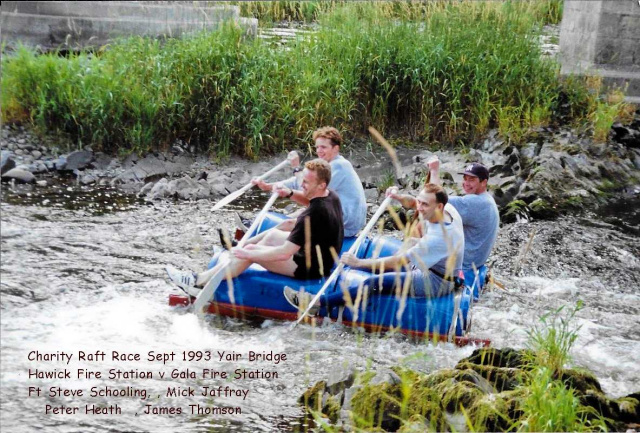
(77, 25)
(602, 37)
(619, 34)
(578, 34)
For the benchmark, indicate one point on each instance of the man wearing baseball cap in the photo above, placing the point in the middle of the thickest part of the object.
(478, 210)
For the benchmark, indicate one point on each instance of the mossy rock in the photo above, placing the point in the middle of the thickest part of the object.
(497, 412)
(630, 408)
(456, 387)
(385, 405)
(426, 403)
(514, 208)
(415, 424)
(491, 413)
(312, 397)
(331, 409)
(541, 208)
(408, 374)
(514, 401)
(602, 406)
(377, 406)
(475, 379)
(580, 380)
(503, 379)
(573, 202)
(456, 394)
(364, 378)
(507, 357)
(435, 378)
(616, 412)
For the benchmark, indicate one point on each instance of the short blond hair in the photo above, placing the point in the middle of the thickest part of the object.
(438, 190)
(322, 169)
(328, 132)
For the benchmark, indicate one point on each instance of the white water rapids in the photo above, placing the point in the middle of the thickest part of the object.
(73, 280)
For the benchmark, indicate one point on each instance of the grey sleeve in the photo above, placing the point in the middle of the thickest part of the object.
(292, 183)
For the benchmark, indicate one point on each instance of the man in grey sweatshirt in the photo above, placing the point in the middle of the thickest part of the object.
(344, 181)
(478, 210)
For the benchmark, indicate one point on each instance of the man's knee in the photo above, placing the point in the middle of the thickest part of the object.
(274, 238)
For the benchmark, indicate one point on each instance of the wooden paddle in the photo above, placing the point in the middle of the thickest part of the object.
(209, 290)
(353, 250)
(292, 158)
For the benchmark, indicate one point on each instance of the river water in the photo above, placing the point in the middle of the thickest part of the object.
(82, 271)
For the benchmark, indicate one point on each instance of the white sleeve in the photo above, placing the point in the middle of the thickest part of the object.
(430, 248)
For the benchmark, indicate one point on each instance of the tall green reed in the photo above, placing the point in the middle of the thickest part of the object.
(447, 77)
(551, 340)
(545, 11)
(549, 406)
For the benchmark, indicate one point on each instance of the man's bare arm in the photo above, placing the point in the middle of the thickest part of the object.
(299, 197)
(433, 164)
(405, 200)
(286, 225)
(383, 264)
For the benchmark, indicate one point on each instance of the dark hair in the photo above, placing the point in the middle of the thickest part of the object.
(322, 169)
(441, 194)
(328, 132)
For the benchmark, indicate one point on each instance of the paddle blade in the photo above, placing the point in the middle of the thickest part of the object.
(203, 298)
(292, 159)
(206, 295)
(228, 199)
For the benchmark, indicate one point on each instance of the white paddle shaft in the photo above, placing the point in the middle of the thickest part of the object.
(353, 250)
(234, 195)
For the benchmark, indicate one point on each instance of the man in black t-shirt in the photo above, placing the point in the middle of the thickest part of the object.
(301, 250)
(326, 231)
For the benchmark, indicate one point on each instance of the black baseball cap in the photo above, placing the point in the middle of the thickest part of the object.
(478, 170)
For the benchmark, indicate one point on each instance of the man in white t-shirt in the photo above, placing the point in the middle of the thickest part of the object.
(477, 210)
(434, 263)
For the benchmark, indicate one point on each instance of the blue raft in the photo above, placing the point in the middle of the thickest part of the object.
(259, 293)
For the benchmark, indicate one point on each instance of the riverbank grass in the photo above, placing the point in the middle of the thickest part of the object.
(268, 13)
(439, 73)
(552, 339)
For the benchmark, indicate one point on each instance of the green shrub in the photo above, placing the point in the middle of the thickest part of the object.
(549, 406)
(437, 72)
(553, 338)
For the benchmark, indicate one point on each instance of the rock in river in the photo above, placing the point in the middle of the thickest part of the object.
(21, 176)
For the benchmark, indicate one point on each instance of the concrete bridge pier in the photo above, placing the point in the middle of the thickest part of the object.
(602, 37)
(76, 25)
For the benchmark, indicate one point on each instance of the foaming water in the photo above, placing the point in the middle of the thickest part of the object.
(79, 281)
(607, 333)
